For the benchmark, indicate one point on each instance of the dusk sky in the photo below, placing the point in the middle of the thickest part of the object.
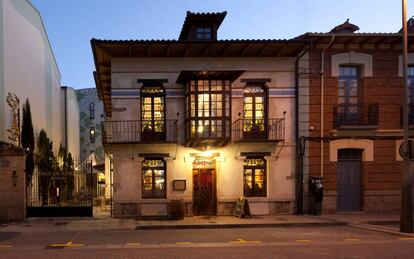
(71, 24)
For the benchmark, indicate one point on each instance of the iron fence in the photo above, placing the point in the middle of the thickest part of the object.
(347, 114)
(61, 192)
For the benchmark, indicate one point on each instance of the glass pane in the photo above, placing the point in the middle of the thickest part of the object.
(153, 163)
(258, 180)
(248, 180)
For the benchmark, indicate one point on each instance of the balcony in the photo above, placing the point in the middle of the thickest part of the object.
(356, 115)
(139, 131)
(201, 133)
(248, 130)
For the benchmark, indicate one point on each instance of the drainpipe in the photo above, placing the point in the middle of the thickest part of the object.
(298, 154)
(322, 97)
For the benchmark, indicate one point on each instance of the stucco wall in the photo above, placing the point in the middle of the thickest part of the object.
(229, 166)
(28, 68)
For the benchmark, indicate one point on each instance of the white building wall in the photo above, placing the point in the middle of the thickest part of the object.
(72, 120)
(28, 69)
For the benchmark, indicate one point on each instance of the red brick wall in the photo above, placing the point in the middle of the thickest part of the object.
(384, 87)
(12, 197)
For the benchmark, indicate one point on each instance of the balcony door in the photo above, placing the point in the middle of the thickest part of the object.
(153, 113)
(349, 95)
(254, 112)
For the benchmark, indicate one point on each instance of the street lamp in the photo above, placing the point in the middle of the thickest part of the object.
(406, 217)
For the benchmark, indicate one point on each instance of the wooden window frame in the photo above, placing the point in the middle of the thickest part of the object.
(347, 79)
(162, 95)
(92, 110)
(151, 194)
(226, 105)
(253, 192)
(265, 96)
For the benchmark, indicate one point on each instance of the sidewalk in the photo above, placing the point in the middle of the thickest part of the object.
(376, 222)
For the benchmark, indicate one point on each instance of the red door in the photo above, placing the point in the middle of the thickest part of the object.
(204, 192)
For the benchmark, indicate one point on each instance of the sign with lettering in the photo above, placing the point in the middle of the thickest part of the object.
(242, 208)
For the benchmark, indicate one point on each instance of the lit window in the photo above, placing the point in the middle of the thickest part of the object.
(92, 111)
(254, 111)
(153, 178)
(254, 175)
(208, 103)
(204, 33)
(152, 113)
(92, 134)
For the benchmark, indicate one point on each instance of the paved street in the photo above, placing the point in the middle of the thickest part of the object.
(293, 242)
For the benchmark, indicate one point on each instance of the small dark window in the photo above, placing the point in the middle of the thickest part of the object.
(204, 33)
(153, 178)
(92, 134)
(254, 177)
(92, 111)
(410, 74)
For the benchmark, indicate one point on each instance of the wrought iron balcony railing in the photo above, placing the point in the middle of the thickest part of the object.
(356, 115)
(139, 131)
(259, 130)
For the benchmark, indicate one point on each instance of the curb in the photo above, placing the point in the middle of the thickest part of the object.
(250, 225)
(380, 229)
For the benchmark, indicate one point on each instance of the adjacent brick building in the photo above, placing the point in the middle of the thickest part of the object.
(351, 86)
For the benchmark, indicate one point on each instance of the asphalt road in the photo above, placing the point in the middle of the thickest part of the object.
(305, 242)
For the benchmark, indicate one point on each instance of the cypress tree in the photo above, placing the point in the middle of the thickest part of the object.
(27, 140)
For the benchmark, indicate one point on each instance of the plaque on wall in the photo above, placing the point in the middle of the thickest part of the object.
(179, 185)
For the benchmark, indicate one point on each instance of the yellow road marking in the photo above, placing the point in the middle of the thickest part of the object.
(239, 240)
(5, 246)
(352, 239)
(406, 238)
(303, 241)
(68, 244)
(183, 243)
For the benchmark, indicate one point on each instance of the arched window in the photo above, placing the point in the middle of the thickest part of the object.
(153, 113)
(153, 178)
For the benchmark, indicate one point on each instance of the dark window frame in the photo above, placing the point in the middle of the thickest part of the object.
(193, 91)
(348, 78)
(410, 83)
(92, 110)
(265, 97)
(204, 32)
(252, 192)
(153, 193)
(144, 123)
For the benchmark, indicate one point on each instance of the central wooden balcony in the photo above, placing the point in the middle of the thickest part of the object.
(250, 131)
(139, 131)
(356, 115)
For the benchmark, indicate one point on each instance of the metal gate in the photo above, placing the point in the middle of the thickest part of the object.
(61, 193)
(349, 180)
